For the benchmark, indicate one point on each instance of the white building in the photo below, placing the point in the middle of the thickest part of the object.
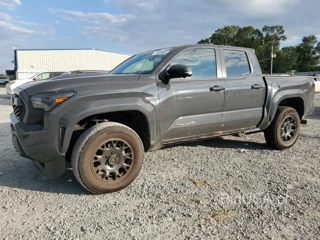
(28, 62)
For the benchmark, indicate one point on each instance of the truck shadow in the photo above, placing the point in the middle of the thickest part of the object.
(22, 175)
(315, 114)
(308, 137)
(19, 173)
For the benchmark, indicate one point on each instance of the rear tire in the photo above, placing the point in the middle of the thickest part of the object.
(284, 130)
(107, 157)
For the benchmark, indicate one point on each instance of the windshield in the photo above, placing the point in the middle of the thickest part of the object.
(34, 76)
(142, 63)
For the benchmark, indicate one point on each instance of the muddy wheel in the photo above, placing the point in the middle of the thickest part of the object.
(107, 157)
(284, 130)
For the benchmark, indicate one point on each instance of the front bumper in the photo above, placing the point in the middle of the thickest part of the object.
(37, 144)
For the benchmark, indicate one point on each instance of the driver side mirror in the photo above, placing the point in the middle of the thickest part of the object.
(175, 71)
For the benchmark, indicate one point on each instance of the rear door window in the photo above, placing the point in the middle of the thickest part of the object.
(237, 63)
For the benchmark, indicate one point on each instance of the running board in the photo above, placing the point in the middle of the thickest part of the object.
(252, 131)
(249, 132)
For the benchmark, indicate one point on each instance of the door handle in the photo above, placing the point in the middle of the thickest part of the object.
(217, 88)
(256, 86)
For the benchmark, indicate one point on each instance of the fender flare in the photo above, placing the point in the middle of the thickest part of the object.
(273, 101)
(69, 120)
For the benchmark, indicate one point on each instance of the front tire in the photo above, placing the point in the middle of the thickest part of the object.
(107, 157)
(284, 130)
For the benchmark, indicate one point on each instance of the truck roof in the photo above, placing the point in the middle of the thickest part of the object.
(181, 47)
(214, 45)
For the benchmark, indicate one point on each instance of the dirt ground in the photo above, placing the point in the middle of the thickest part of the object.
(224, 188)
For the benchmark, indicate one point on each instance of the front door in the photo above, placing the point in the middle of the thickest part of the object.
(193, 106)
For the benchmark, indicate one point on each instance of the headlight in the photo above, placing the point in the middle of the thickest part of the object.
(47, 101)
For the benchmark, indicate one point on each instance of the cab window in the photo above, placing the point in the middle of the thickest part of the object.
(201, 60)
(237, 64)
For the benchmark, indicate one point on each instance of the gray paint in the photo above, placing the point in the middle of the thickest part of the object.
(182, 110)
(280, 88)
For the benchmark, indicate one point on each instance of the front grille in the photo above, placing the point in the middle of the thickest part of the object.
(19, 108)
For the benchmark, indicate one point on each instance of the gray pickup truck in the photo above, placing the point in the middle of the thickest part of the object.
(103, 124)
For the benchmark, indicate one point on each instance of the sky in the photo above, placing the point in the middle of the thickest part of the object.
(131, 26)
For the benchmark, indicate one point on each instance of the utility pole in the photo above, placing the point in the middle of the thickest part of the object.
(272, 57)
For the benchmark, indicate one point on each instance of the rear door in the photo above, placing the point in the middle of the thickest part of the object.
(245, 90)
(191, 107)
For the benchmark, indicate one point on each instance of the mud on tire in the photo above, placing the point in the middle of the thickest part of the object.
(107, 157)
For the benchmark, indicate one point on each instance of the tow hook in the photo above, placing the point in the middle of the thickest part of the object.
(304, 122)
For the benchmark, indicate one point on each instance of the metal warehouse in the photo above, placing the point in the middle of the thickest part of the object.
(28, 62)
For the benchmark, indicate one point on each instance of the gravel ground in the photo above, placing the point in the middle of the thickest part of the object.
(226, 188)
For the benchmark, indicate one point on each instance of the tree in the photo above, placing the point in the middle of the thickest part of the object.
(283, 62)
(236, 36)
(223, 36)
(308, 54)
(250, 37)
(291, 58)
(273, 35)
(204, 41)
(304, 57)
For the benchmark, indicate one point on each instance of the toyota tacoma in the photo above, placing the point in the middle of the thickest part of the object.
(103, 124)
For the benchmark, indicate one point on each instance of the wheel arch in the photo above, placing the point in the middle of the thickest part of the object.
(134, 119)
(294, 99)
(296, 103)
(140, 118)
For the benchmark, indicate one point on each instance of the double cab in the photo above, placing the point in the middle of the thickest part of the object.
(103, 124)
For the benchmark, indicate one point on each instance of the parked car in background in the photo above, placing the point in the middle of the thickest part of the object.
(4, 80)
(39, 76)
(91, 72)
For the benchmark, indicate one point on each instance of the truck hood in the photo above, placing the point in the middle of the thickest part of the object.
(20, 81)
(84, 85)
